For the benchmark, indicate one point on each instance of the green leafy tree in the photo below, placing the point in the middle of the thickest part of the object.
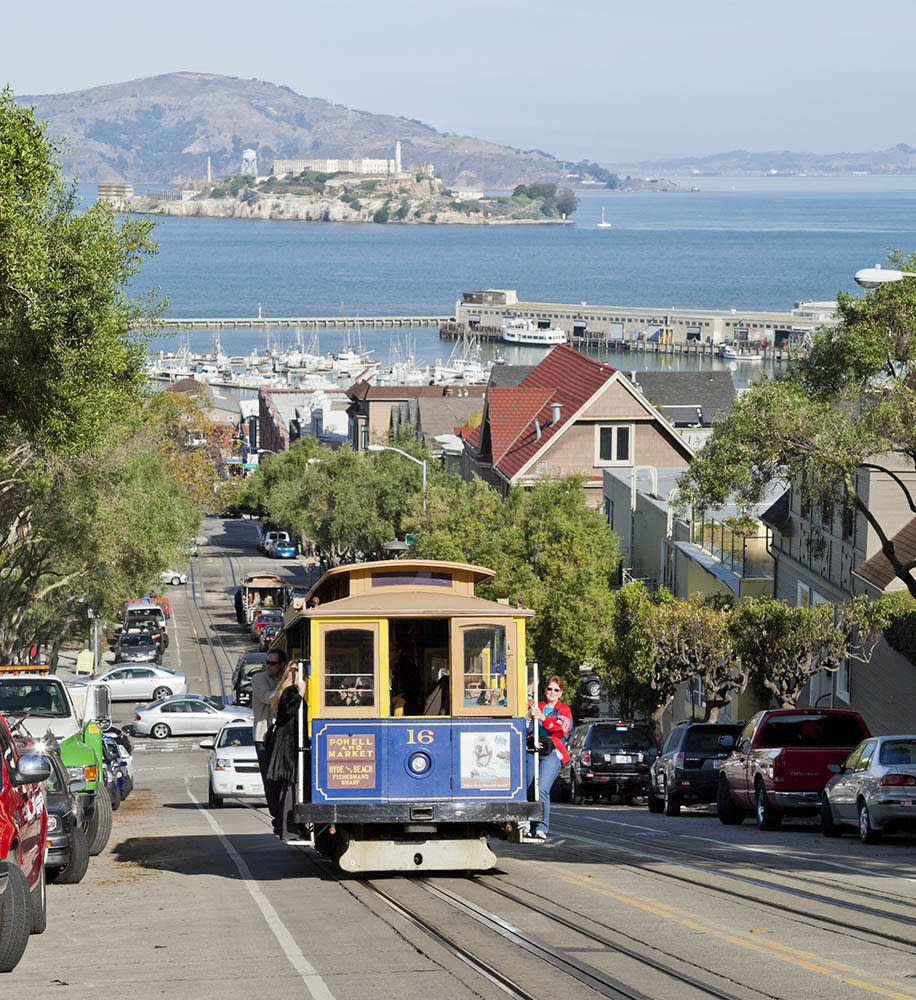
(566, 202)
(848, 406)
(785, 646)
(550, 551)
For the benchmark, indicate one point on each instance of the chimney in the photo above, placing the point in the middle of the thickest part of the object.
(556, 407)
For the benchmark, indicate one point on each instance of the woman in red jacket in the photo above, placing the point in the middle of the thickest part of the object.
(557, 720)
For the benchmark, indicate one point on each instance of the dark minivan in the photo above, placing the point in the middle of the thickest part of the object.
(608, 757)
(687, 769)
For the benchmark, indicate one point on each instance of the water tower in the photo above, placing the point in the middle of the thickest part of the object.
(249, 163)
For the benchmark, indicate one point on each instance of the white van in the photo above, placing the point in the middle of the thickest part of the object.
(271, 538)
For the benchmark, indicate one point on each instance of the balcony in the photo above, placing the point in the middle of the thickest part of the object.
(740, 553)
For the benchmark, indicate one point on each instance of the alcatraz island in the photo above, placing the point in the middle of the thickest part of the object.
(351, 190)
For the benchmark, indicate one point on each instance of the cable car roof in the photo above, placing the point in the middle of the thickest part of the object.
(436, 604)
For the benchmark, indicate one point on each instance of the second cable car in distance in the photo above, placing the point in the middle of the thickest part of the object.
(413, 734)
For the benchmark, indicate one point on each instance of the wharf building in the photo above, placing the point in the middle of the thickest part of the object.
(483, 312)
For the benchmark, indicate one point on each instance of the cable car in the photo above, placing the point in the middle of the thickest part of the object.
(412, 748)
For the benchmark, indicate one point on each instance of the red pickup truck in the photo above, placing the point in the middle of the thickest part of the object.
(23, 833)
(780, 761)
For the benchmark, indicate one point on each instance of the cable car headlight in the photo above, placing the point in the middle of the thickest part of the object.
(418, 763)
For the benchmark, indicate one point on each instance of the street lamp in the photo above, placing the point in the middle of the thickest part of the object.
(871, 277)
(419, 461)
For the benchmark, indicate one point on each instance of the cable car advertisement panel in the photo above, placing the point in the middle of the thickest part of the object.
(418, 759)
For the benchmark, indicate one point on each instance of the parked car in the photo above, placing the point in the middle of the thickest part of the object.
(186, 715)
(140, 683)
(247, 664)
(148, 626)
(137, 647)
(780, 763)
(607, 757)
(67, 859)
(687, 768)
(118, 770)
(270, 616)
(873, 790)
(268, 539)
(173, 576)
(233, 765)
(283, 550)
(23, 832)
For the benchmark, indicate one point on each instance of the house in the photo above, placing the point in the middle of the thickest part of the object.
(569, 415)
(691, 401)
(285, 415)
(374, 410)
(832, 553)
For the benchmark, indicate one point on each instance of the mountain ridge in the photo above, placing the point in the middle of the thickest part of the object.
(161, 129)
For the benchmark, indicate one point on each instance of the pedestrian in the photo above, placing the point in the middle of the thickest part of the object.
(556, 719)
(263, 685)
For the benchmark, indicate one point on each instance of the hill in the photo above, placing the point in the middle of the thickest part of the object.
(161, 129)
(898, 159)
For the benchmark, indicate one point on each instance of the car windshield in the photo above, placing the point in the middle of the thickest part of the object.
(141, 614)
(706, 739)
(215, 702)
(612, 735)
(898, 752)
(811, 731)
(140, 640)
(43, 699)
(236, 736)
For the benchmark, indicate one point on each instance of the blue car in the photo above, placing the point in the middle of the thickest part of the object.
(284, 550)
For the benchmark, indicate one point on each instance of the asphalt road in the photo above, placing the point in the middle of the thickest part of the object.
(198, 903)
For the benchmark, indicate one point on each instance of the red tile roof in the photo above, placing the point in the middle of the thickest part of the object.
(566, 377)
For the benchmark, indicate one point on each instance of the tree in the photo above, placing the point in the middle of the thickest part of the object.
(71, 354)
(847, 407)
(550, 552)
(566, 202)
(785, 646)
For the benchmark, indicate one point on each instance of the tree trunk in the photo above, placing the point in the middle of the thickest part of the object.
(658, 733)
(712, 713)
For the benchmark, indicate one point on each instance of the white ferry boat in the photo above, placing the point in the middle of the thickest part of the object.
(526, 332)
(732, 352)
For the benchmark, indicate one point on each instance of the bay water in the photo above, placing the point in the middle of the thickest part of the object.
(742, 243)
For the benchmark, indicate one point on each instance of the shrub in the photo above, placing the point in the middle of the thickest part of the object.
(381, 215)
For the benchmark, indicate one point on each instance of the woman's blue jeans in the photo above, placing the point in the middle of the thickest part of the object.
(548, 770)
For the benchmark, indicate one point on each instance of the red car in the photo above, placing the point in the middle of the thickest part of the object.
(264, 619)
(23, 833)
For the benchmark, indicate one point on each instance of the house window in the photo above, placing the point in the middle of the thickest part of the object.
(849, 521)
(614, 444)
(803, 596)
(609, 513)
(842, 681)
(363, 437)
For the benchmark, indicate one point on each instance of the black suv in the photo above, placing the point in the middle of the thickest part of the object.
(608, 757)
(687, 770)
(247, 665)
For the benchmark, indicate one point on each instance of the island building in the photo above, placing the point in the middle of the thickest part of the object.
(117, 194)
(249, 167)
(358, 165)
(483, 311)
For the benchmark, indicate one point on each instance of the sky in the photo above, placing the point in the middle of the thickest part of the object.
(605, 80)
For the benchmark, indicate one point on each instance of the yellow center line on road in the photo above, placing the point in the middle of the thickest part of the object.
(773, 949)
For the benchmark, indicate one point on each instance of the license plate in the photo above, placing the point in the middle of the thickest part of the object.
(622, 758)
(906, 802)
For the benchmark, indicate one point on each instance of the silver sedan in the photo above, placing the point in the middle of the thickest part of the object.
(186, 715)
(139, 683)
(874, 791)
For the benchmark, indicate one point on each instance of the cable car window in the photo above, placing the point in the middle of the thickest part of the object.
(349, 668)
(416, 578)
(484, 662)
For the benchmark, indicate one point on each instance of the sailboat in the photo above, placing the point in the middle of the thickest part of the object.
(602, 224)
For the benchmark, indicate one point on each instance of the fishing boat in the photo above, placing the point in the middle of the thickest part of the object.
(528, 334)
(733, 352)
(603, 224)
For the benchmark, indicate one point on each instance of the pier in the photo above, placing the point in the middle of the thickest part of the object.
(301, 322)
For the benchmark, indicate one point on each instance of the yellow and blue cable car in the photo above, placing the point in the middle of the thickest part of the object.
(412, 748)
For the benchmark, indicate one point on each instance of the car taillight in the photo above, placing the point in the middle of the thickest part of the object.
(898, 779)
(587, 758)
(779, 768)
(137, 718)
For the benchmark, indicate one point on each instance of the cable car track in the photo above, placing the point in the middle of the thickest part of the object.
(600, 982)
(707, 868)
